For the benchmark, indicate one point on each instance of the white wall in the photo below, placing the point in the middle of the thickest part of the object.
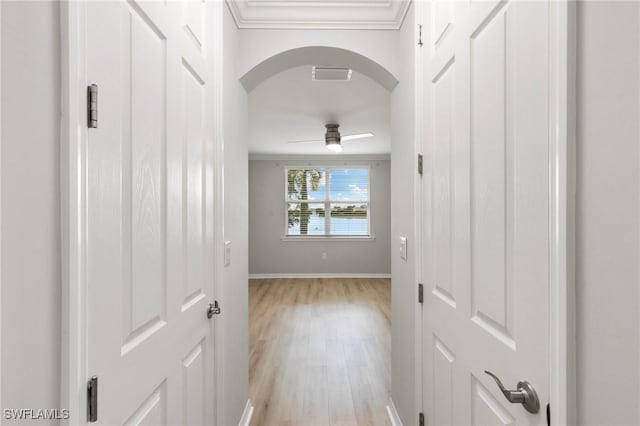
(259, 45)
(608, 213)
(403, 285)
(268, 254)
(235, 291)
(30, 261)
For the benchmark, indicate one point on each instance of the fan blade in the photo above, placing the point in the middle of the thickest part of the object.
(357, 136)
(305, 141)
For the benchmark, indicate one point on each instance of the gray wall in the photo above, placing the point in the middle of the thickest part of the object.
(403, 283)
(268, 254)
(608, 205)
(235, 291)
(30, 261)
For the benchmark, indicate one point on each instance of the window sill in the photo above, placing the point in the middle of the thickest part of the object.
(325, 238)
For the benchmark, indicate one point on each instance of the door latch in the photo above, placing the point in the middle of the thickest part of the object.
(213, 309)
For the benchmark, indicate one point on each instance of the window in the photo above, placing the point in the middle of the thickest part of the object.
(312, 192)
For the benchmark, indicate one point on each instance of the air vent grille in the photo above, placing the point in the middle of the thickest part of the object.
(330, 74)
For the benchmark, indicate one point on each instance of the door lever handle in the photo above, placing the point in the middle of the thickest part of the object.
(525, 394)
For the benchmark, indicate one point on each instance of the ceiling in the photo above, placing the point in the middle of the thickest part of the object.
(290, 106)
(319, 14)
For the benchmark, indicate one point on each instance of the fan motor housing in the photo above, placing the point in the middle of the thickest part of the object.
(333, 135)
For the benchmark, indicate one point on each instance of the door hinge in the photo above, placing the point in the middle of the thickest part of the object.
(213, 309)
(92, 400)
(420, 35)
(420, 164)
(421, 419)
(420, 293)
(92, 106)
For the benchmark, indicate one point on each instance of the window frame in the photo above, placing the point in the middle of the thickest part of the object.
(327, 203)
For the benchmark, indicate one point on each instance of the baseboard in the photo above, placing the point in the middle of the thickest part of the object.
(393, 414)
(245, 420)
(327, 275)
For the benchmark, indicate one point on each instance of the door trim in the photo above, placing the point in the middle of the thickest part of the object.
(73, 215)
(562, 190)
(73, 174)
(215, 41)
(1, 404)
(420, 134)
(562, 178)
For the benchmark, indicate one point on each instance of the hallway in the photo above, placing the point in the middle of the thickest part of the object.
(319, 351)
(180, 179)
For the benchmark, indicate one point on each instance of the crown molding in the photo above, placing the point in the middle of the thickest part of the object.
(353, 158)
(319, 15)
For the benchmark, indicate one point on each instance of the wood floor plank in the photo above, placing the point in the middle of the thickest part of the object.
(319, 351)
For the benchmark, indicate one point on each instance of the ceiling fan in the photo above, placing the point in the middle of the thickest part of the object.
(332, 137)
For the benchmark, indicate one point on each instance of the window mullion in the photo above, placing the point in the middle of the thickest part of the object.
(327, 204)
(286, 201)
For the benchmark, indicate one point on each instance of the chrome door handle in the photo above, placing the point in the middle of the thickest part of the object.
(525, 395)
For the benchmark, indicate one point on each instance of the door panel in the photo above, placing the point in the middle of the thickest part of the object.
(149, 231)
(442, 20)
(143, 190)
(194, 386)
(193, 12)
(193, 86)
(152, 411)
(443, 381)
(443, 221)
(486, 410)
(491, 175)
(485, 192)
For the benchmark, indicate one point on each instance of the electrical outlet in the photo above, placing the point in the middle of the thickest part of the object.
(324, 255)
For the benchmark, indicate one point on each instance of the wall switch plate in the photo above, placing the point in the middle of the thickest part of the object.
(324, 255)
(403, 248)
(227, 253)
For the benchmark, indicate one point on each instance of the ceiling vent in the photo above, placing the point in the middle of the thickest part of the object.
(330, 74)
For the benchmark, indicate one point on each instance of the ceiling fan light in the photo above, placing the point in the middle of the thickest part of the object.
(334, 146)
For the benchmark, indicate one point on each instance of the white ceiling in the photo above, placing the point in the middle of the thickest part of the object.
(290, 106)
(319, 14)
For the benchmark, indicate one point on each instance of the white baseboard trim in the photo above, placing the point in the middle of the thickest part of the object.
(327, 275)
(245, 420)
(393, 414)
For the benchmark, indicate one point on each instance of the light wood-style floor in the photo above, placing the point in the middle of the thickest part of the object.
(319, 351)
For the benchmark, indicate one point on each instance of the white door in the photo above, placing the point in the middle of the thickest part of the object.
(149, 218)
(485, 213)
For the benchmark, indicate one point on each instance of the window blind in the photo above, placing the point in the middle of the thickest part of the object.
(327, 201)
